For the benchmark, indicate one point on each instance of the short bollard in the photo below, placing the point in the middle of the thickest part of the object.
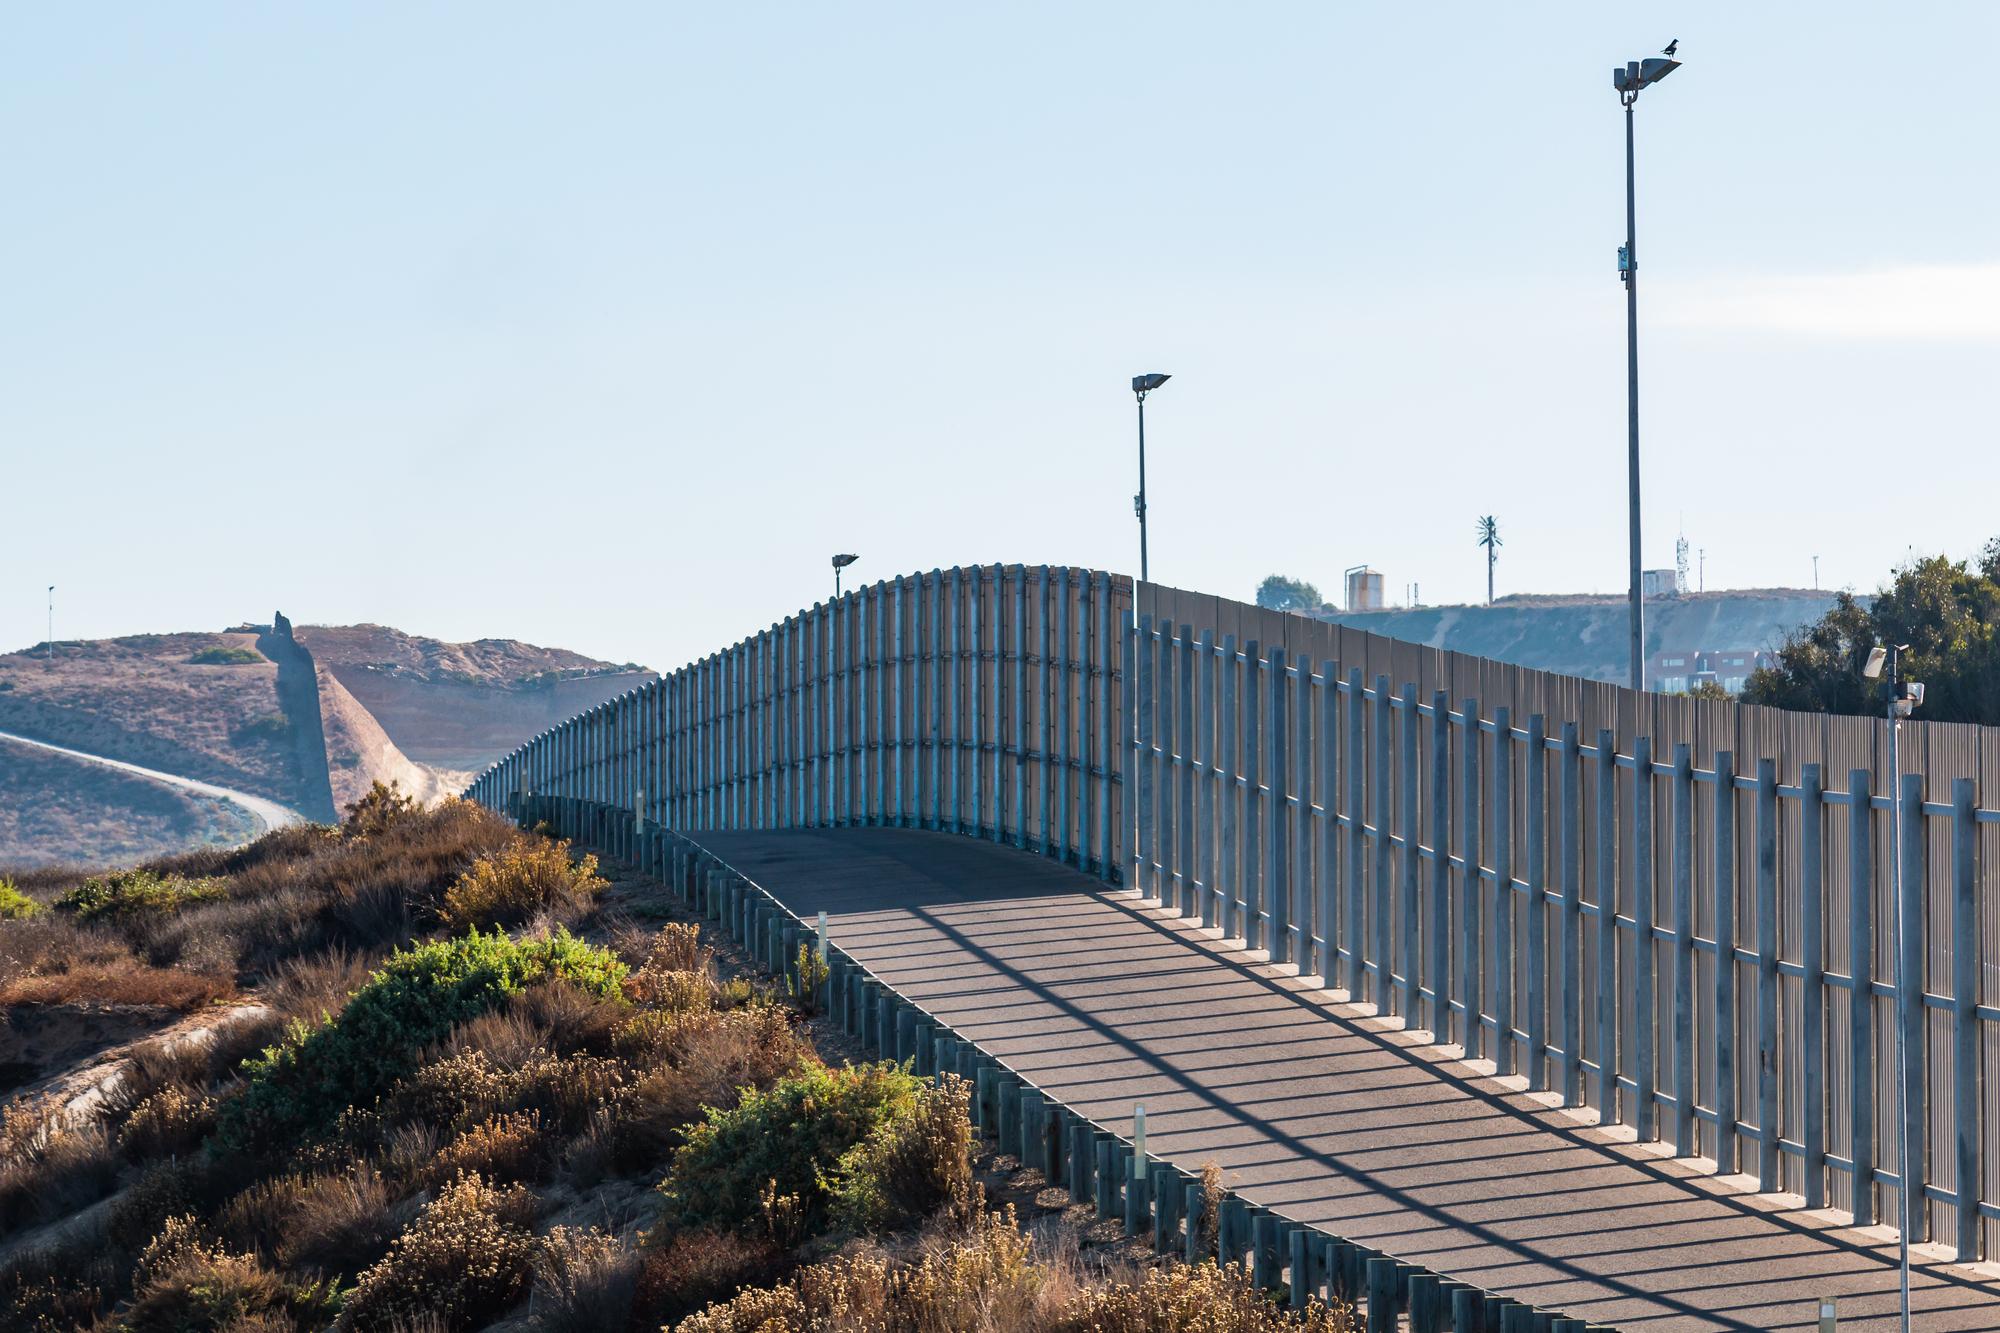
(1010, 1121)
(1233, 1232)
(1028, 1126)
(1298, 1257)
(918, 1049)
(1424, 1315)
(1138, 1196)
(1381, 1296)
(1265, 1257)
(983, 1120)
(1107, 1175)
(1082, 1148)
(1197, 1241)
(1052, 1145)
(790, 958)
(1493, 1304)
(1517, 1318)
(1468, 1312)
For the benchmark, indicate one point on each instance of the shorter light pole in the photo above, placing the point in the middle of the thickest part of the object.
(1143, 385)
(49, 648)
(1902, 697)
(840, 562)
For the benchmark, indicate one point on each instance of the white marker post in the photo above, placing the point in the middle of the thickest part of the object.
(822, 937)
(1827, 1320)
(1139, 1141)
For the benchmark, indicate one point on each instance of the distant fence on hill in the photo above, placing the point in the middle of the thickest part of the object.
(1677, 913)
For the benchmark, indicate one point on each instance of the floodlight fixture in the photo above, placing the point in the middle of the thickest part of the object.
(1141, 386)
(1876, 657)
(841, 562)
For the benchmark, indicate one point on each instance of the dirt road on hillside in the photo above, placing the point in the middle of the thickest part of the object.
(269, 813)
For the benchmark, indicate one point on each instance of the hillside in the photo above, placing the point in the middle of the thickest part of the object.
(1589, 636)
(54, 809)
(460, 706)
(308, 718)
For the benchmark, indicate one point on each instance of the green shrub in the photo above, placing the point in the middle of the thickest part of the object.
(915, 1164)
(271, 726)
(787, 1140)
(220, 656)
(412, 1002)
(124, 894)
(15, 904)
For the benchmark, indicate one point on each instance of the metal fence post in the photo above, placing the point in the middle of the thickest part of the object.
(1812, 1009)
(1572, 919)
(1385, 956)
(1726, 1073)
(1769, 1163)
(1684, 1000)
(1205, 729)
(1440, 866)
(1228, 881)
(1538, 948)
(1861, 993)
(1965, 1071)
(1278, 942)
(1910, 1004)
(1473, 887)
(1412, 873)
(1645, 1031)
(1503, 890)
(1143, 849)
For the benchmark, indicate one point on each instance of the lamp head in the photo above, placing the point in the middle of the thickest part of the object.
(1876, 657)
(1145, 384)
(843, 561)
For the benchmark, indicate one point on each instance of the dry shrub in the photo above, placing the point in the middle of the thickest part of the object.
(55, 1163)
(462, 1089)
(989, 1279)
(513, 883)
(163, 1190)
(128, 982)
(505, 1149)
(701, 1267)
(1210, 1219)
(678, 948)
(170, 1121)
(585, 1280)
(592, 1154)
(506, 1037)
(56, 1287)
(381, 808)
(465, 1260)
(1198, 1299)
(984, 1281)
(566, 1092)
(336, 1223)
(315, 988)
(915, 1165)
(574, 1019)
(704, 1060)
(185, 1283)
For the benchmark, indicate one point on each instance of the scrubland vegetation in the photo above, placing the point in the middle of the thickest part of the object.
(452, 1088)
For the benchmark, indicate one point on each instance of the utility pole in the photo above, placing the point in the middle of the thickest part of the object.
(1489, 537)
(49, 649)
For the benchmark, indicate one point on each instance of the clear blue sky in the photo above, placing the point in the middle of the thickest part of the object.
(603, 326)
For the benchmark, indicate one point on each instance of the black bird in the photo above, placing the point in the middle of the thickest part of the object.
(1670, 47)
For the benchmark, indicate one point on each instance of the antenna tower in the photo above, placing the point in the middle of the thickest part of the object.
(1681, 565)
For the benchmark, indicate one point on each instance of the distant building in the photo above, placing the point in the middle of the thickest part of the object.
(1364, 589)
(1659, 583)
(1680, 670)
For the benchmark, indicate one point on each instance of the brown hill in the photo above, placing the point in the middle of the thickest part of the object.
(460, 706)
(55, 809)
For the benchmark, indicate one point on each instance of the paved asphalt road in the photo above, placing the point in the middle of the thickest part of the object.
(269, 813)
(1320, 1114)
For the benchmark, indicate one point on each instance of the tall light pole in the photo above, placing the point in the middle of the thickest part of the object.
(1629, 80)
(1143, 385)
(49, 652)
(840, 562)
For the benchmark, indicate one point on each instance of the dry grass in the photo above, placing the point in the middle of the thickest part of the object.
(334, 1223)
(990, 1280)
(51, 1164)
(585, 1280)
(705, 1059)
(699, 1268)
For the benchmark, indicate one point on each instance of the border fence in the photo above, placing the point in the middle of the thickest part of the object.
(1676, 913)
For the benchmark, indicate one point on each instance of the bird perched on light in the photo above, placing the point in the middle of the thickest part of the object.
(1671, 46)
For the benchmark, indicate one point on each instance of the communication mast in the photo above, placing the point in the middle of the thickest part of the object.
(1681, 565)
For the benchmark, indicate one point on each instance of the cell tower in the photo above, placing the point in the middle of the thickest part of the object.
(1681, 565)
